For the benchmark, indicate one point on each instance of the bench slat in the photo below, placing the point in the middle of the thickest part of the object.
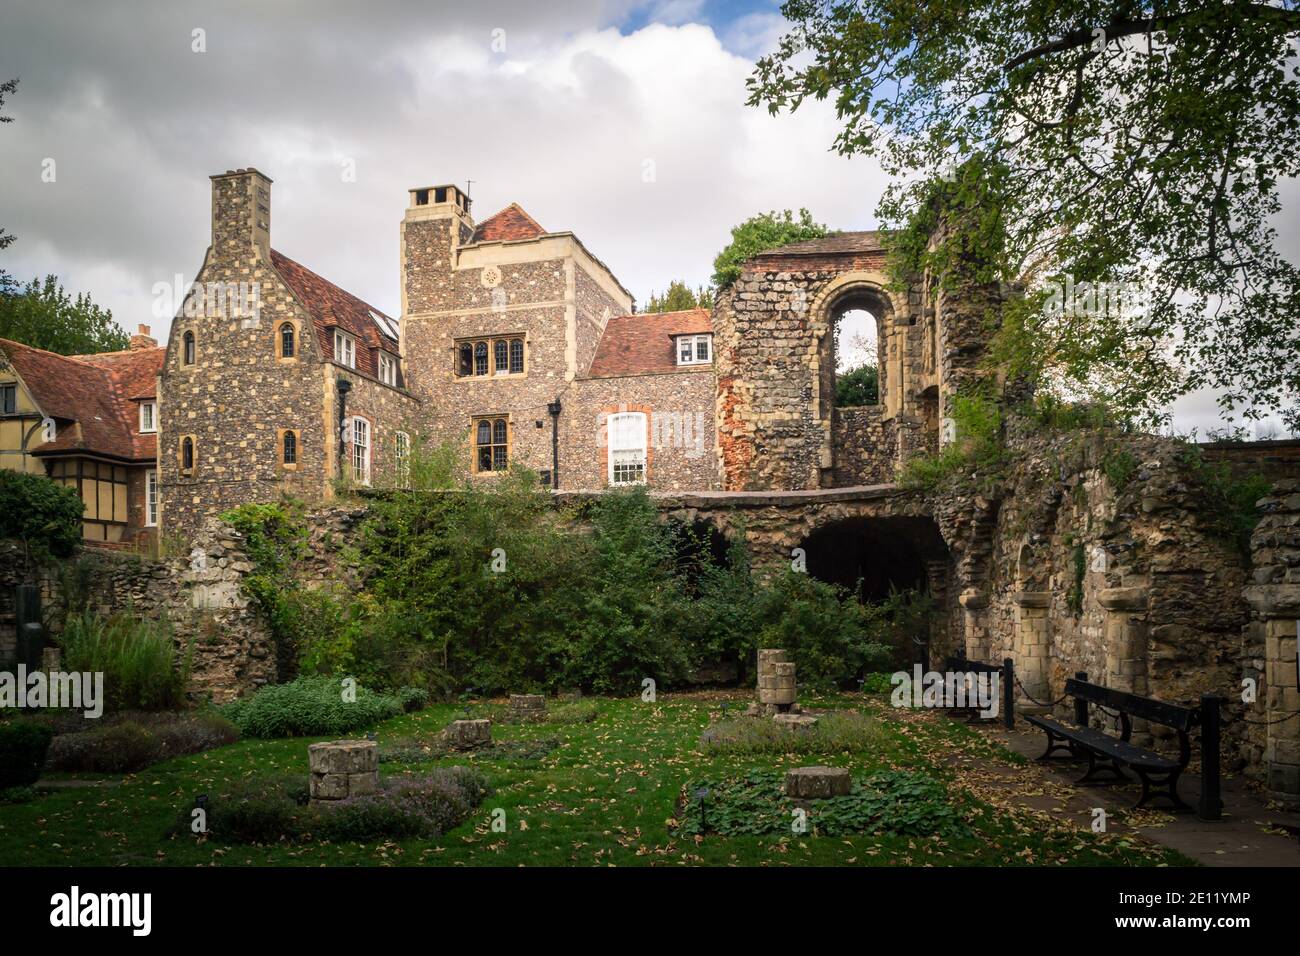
(1105, 744)
(1144, 708)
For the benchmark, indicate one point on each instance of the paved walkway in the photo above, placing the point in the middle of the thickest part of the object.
(1250, 834)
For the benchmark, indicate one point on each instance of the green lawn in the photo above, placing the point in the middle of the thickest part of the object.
(607, 794)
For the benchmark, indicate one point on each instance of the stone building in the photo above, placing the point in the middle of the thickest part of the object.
(514, 341)
(90, 422)
(275, 379)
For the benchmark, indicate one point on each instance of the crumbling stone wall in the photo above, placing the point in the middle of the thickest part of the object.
(1136, 585)
(1271, 638)
(199, 594)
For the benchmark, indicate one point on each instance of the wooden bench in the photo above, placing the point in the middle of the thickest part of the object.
(1110, 755)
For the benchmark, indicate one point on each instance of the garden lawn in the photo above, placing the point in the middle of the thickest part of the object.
(608, 793)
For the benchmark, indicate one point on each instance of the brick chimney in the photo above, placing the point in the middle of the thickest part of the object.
(142, 339)
(241, 212)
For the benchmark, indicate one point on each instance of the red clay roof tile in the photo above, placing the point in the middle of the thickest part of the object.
(509, 224)
(91, 397)
(642, 344)
(330, 306)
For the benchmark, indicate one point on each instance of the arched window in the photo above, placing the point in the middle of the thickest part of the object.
(187, 349)
(286, 340)
(627, 436)
(500, 361)
(481, 358)
(516, 356)
(466, 366)
(492, 444)
(187, 453)
(290, 451)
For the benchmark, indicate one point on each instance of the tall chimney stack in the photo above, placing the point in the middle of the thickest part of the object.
(241, 211)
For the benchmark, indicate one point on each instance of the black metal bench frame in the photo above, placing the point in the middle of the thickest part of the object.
(960, 664)
(1106, 758)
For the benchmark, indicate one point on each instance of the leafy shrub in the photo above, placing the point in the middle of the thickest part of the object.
(137, 657)
(628, 630)
(309, 707)
(45, 516)
(413, 698)
(128, 745)
(878, 682)
(836, 732)
(23, 744)
(976, 454)
(889, 801)
(276, 809)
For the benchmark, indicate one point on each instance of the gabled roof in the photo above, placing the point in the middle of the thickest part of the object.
(510, 224)
(643, 343)
(331, 306)
(91, 398)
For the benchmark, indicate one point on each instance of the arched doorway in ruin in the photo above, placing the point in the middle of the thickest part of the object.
(852, 319)
(878, 556)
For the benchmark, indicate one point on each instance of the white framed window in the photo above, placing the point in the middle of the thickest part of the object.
(151, 498)
(627, 434)
(148, 416)
(361, 450)
(387, 369)
(694, 349)
(402, 459)
(345, 349)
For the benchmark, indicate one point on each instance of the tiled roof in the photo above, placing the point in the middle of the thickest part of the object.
(90, 397)
(642, 344)
(330, 306)
(830, 245)
(509, 224)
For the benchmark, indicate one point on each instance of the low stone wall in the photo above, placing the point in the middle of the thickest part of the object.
(864, 446)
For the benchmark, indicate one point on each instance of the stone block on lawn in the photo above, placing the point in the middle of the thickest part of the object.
(343, 756)
(343, 768)
(527, 707)
(468, 734)
(796, 721)
(817, 783)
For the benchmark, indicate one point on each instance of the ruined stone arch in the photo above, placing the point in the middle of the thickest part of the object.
(869, 290)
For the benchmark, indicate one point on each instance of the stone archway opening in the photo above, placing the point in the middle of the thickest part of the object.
(876, 558)
(852, 359)
(856, 344)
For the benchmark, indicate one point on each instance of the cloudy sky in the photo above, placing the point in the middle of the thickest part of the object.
(620, 120)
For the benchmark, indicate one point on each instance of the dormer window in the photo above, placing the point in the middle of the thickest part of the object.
(387, 369)
(694, 349)
(345, 349)
(148, 417)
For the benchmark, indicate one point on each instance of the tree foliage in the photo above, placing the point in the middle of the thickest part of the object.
(765, 231)
(680, 297)
(43, 316)
(857, 386)
(1138, 145)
